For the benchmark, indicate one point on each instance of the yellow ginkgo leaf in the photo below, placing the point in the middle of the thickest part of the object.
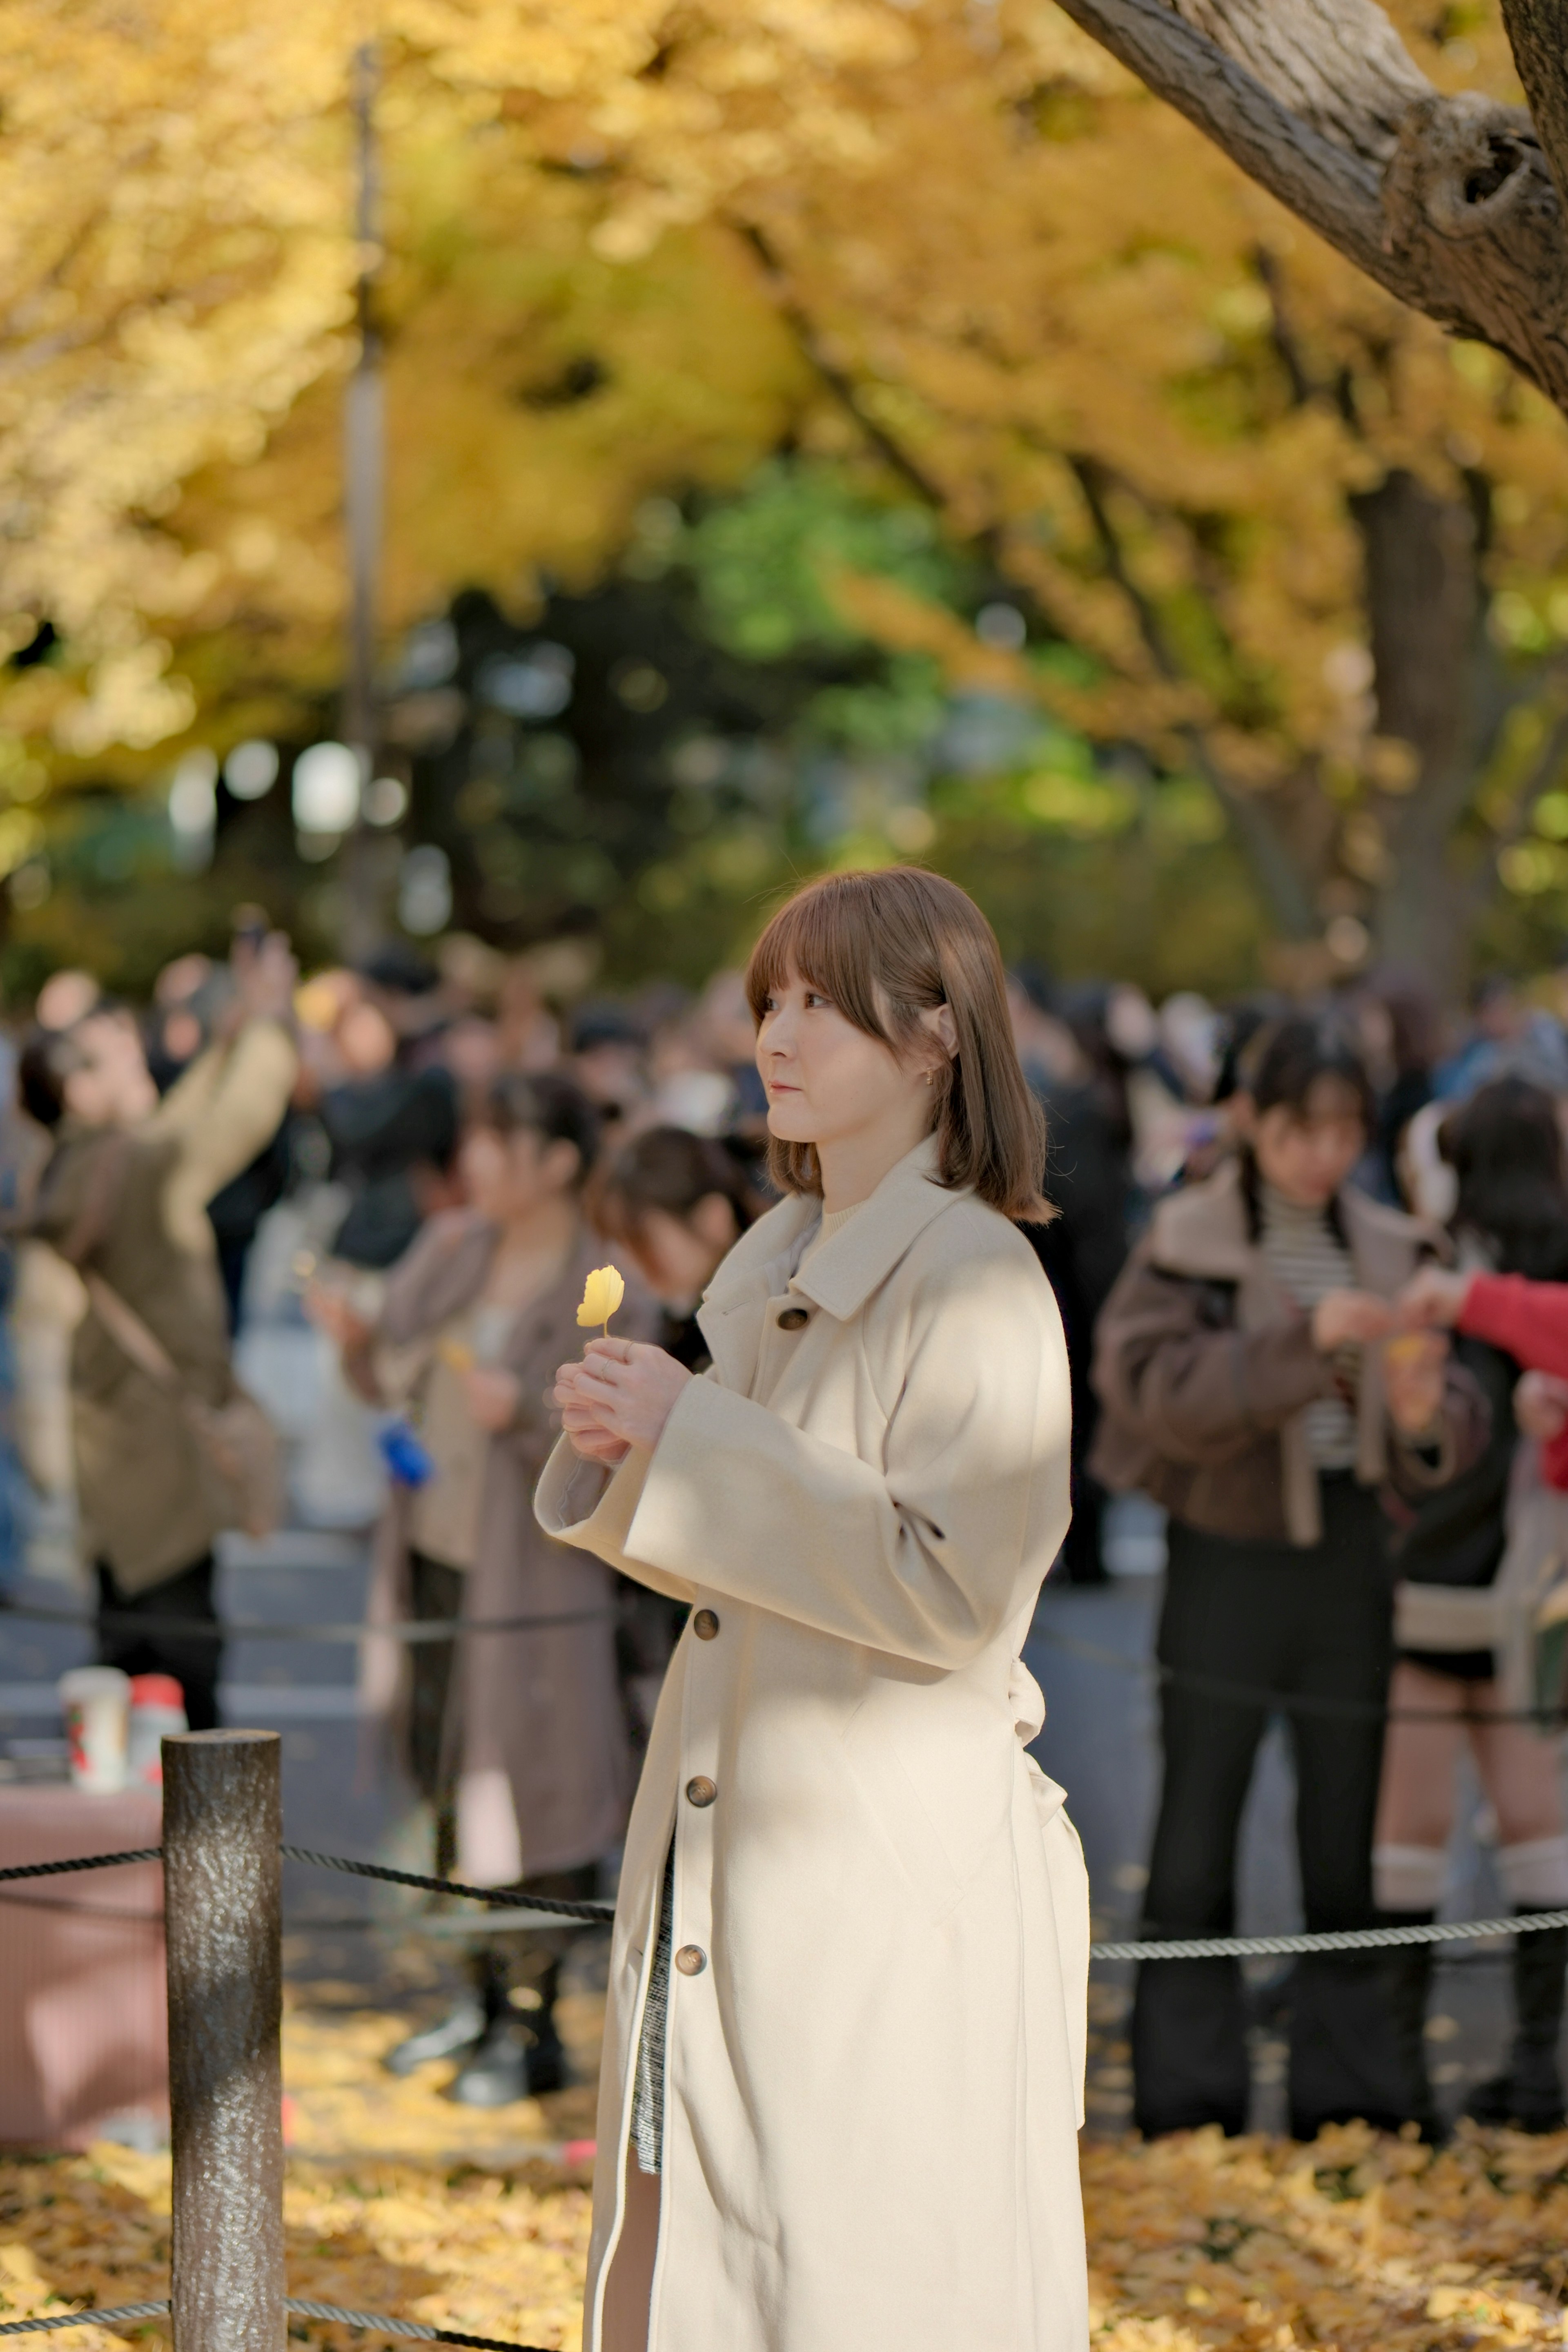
(602, 1295)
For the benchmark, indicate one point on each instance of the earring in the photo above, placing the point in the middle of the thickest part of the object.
(928, 1075)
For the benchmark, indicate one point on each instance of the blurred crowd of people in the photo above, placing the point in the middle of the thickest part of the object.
(1246, 1196)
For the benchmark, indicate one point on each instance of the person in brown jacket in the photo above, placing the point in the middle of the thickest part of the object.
(124, 1199)
(518, 1740)
(1246, 1386)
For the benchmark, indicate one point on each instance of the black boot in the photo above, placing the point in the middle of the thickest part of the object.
(1529, 2096)
(547, 2066)
(521, 2053)
(459, 2029)
(1409, 1989)
(495, 2075)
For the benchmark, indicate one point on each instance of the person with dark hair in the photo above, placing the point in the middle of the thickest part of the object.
(848, 1974)
(1510, 1219)
(1400, 1029)
(124, 1199)
(1244, 1387)
(678, 1203)
(518, 1740)
(1088, 1178)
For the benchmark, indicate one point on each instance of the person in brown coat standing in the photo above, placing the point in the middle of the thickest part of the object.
(124, 1198)
(517, 1740)
(1245, 1386)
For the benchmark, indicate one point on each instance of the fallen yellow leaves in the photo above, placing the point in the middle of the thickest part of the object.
(491, 2253)
(341, 2103)
(1357, 2242)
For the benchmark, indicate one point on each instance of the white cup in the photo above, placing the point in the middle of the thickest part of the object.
(96, 1703)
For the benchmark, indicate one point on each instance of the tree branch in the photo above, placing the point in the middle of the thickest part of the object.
(1261, 842)
(1538, 34)
(1447, 203)
(836, 378)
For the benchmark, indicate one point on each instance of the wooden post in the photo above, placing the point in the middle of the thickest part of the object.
(222, 1876)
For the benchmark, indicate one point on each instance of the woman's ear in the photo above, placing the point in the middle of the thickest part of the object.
(1242, 1113)
(938, 1022)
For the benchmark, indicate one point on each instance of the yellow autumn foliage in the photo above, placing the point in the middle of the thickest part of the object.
(956, 233)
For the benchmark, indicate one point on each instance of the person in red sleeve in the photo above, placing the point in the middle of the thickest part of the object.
(1506, 1148)
(1528, 1321)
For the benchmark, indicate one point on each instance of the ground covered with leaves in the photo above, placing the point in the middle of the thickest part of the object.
(399, 2202)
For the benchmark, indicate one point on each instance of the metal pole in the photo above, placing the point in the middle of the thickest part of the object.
(223, 1819)
(363, 472)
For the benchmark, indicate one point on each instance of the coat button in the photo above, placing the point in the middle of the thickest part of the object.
(702, 1791)
(794, 1318)
(704, 1625)
(691, 1959)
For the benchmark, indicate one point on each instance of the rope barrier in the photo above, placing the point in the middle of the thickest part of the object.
(411, 2327)
(1287, 1702)
(80, 1862)
(601, 1914)
(230, 1629)
(1342, 1940)
(295, 2305)
(595, 1913)
(111, 2318)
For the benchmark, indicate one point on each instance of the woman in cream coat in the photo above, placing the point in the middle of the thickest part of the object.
(849, 2122)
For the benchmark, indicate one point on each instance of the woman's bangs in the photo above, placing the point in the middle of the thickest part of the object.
(821, 938)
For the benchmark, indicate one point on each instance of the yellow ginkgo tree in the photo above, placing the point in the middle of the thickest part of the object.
(1305, 552)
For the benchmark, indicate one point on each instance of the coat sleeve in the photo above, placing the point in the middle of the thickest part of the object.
(580, 1503)
(1529, 1320)
(927, 1554)
(1193, 1393)
(228, 1105)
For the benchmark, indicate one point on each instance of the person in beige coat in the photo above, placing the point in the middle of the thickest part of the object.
(124, 1199)
(518, 1740)
(844, 2045)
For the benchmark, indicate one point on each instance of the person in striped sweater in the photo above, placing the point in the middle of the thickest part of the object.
(1240, 1364)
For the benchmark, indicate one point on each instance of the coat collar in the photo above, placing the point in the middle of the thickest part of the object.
(1202, 1233)
(847, 1268)
(860, 1255)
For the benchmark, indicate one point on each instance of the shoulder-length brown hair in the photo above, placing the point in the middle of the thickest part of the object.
(884, 947)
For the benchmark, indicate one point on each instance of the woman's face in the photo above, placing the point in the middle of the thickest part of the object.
(113, 1086)
(677, 1256)
(826, 1080)
(1307, 1152)
(509, 1177)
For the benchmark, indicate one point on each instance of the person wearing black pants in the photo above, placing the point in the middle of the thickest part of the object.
(1315, 1624)
(1245, 1385)
(151, 1648)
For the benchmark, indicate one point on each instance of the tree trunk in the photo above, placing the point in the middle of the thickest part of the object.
(1425, 613)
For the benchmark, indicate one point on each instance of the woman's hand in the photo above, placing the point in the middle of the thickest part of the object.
(331, 1311)
(1541, 1406)
(621, 1395)
(1415, 1366)
(581, 1421)
(493, 1396)
(1432, 1297)
(1344, 1317)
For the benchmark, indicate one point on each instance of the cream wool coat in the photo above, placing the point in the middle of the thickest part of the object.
(874, 2082)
